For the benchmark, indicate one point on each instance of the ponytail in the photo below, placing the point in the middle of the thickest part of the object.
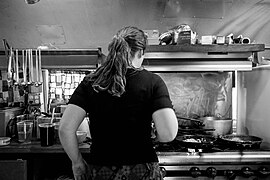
(110, 76)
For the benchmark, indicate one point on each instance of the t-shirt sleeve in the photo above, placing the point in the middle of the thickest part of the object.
(80, 95)
(161, 97)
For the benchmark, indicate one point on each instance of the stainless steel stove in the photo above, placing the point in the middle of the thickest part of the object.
(217, 164)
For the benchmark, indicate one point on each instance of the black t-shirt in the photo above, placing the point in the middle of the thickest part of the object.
(121, 126)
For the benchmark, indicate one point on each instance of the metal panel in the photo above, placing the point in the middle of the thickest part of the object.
(202, 66)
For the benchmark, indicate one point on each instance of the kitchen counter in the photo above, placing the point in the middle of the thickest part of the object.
(35, 147)
(52, 161)
(33, 162)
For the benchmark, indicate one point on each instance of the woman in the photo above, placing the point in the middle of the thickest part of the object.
(122, 99)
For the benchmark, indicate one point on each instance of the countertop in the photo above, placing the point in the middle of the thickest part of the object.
(35, 147)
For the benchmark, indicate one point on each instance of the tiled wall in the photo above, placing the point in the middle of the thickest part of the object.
(63, 83)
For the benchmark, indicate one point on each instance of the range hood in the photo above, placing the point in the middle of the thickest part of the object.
(236, 57)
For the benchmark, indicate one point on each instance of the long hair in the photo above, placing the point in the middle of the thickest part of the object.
(110, 76)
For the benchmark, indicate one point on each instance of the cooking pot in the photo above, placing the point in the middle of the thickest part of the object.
(222, 126)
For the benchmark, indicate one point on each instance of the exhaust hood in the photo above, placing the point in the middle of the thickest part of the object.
(189, 57)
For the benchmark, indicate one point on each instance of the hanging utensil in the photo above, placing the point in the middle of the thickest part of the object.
(29, 67)
(16, 67)
(9, 74)
(11, 66)
(36, 68)
(32, 67)
(26, 66)
(39, 68)
(23, 68)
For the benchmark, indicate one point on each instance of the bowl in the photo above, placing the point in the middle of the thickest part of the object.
(4, 141)
(81, 135)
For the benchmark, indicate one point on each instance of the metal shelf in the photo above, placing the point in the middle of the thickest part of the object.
(193, 66)
(61, 52)
(63, 58)
(159, 58)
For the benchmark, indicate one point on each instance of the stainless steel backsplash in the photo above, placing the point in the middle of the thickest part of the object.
(200, 94)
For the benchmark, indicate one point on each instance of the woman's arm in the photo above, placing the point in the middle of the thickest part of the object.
(71, 120)
(166, 124)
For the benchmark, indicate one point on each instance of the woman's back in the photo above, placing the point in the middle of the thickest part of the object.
(121, 126)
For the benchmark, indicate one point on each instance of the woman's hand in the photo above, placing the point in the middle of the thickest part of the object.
(80, 170)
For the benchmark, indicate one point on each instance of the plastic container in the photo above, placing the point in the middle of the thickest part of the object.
(25, 130)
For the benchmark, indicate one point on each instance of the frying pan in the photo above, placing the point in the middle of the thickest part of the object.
(186, 122)
(242, 141)
(196, 141)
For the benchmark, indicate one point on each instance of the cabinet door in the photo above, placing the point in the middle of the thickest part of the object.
(13, 169)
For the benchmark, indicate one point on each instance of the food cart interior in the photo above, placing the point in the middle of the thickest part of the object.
(227, 81)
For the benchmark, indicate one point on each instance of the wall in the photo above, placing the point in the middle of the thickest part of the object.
(257, 85)
(85, 23)
(200, 94)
